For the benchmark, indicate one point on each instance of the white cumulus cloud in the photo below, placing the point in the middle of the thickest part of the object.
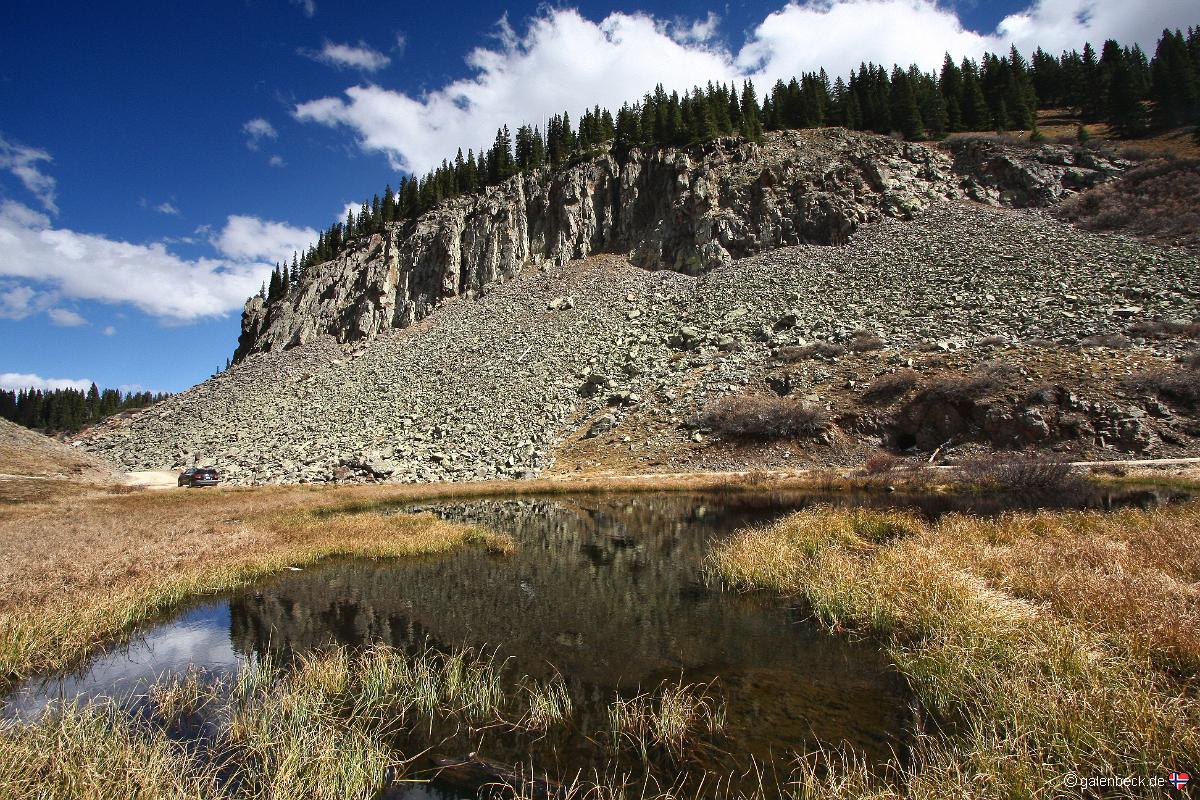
(15, 381)
(65, 317)
(23, 162)
(563, 61)
(352, 56)
(257, 130)
(85, 266)
(167, 208)
(307, 7)
(247, 237)
(560, 60)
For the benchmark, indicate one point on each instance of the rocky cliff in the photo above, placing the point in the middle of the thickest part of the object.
(687, 210)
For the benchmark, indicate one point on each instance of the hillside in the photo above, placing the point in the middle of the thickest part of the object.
(27, 453)
(570, 360)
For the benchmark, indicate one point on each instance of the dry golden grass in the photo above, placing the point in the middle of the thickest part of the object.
(1033, 636)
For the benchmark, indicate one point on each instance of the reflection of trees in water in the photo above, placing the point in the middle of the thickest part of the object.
(609, 592)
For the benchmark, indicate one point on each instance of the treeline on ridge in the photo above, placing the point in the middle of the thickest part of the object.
(69, 410)
(1134, 94)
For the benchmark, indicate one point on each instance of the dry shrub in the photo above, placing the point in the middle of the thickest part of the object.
(864, 341)
(889, 387)
(1179, 386)
(1115, 470)
(880, 462)
(960, 389)
(1164, 329)
(1113, 341)
(794, 353)
(757, 417)
(1033, 473)
(1159, 199)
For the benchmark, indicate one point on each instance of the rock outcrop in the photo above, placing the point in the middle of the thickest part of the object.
(519, 380)
(687, 210)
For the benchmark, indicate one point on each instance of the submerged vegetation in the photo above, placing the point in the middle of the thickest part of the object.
(1045, 645)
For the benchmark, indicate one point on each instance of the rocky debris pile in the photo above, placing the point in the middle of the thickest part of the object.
(688, 210)
(1030, 175)
(494, 386)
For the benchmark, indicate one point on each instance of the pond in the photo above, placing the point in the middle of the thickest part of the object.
(605, 593)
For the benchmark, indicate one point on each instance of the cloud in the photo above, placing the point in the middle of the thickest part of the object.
(308, 7)
(840, 35)
(277, 161)
(701, 30)
(401, 43)
(22, 161)
(167, 208)
(109, 330)
(257, 130)
(246, 237)
(15, 381)
(65, 318)
(86, 266)
(17, 301)
(360, 56)
(563, 61)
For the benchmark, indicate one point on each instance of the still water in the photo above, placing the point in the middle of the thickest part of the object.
(606, 591)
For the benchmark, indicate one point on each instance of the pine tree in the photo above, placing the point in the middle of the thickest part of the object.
(950, 84)
(1125, 114)
(905, 114)
(752, 127)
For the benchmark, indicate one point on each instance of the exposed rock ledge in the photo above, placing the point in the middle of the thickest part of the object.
(688, 210)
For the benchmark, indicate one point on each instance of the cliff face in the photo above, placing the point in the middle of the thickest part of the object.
(686, 210)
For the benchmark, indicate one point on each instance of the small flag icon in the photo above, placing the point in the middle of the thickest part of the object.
(1179, 779)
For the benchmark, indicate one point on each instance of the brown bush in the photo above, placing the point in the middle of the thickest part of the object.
(864, 341)
(892, 385)
(1113, 341)
(1159, 200)
(1164, 329)
(758, 417)
(1015, 472)
(793, 353)
(880, 463)
(1181, 386)
(990, 377)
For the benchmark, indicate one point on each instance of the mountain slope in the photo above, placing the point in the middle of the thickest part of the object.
(28, 453)
(497, 385)
(688, 210)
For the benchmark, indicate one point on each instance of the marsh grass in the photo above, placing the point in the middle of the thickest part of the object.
(58, 634)
(1025, 636)
(178, 696)
(667, 719)
(96, 752)
(550, 703)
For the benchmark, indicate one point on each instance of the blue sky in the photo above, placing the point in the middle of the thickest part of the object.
(155, 159)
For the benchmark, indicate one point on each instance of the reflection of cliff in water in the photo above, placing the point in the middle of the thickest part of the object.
(600, 586)
(608, 592)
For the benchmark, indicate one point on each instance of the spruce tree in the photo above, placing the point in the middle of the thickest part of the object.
(752, 127)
